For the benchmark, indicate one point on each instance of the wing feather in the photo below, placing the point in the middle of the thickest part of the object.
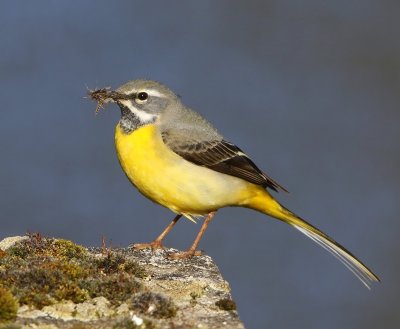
(221, 156)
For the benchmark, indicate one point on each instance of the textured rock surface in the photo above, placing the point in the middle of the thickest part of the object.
(172, 294)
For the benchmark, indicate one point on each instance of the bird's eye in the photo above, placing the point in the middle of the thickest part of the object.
(142, 96)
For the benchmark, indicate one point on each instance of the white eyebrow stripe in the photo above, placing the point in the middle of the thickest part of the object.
(155, 93)
(143, 116)
(151, 92)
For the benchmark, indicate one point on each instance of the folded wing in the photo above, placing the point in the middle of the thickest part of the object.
(221, 156)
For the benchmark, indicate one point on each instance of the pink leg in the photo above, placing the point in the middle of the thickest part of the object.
(157, 243)
(192, 251)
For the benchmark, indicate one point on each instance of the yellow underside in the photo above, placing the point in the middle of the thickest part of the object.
(168, 179)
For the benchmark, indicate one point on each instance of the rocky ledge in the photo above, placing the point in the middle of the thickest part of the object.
(52, 283)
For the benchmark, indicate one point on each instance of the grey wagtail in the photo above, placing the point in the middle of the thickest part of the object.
(177, 159)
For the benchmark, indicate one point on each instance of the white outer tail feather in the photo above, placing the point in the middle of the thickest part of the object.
(355, 266)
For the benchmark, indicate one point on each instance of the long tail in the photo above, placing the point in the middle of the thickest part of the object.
(269, 206)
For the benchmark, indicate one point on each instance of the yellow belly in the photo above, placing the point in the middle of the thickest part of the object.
(168, 179)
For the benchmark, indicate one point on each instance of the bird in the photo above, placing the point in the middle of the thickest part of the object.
(176, 158)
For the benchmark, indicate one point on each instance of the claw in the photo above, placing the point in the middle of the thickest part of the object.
(153, 245)
(185, 254)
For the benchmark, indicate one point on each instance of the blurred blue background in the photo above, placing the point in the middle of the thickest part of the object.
(310, 90)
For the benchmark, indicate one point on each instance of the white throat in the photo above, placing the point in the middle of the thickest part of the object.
(141, 115)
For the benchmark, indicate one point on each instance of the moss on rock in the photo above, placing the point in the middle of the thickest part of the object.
(226, 304)
(8, 306)
(115, 263)
(39, 246)
(116, 288)
(153, 304)
(41, 271)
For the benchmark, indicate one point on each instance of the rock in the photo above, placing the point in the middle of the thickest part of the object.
(26, 312)
(63, 311)
(94, 309)
(67, 286)
(9, 242)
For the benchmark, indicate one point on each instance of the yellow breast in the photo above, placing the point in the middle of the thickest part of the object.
(168, 179)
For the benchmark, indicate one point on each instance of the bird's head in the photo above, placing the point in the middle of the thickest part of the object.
(141, 101)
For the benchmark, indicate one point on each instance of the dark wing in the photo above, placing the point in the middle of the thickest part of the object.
(224, 157)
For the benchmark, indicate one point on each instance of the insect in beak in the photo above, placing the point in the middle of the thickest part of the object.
(104, 96)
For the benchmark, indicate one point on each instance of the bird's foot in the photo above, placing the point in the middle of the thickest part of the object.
(153, 245)
(184, 254)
